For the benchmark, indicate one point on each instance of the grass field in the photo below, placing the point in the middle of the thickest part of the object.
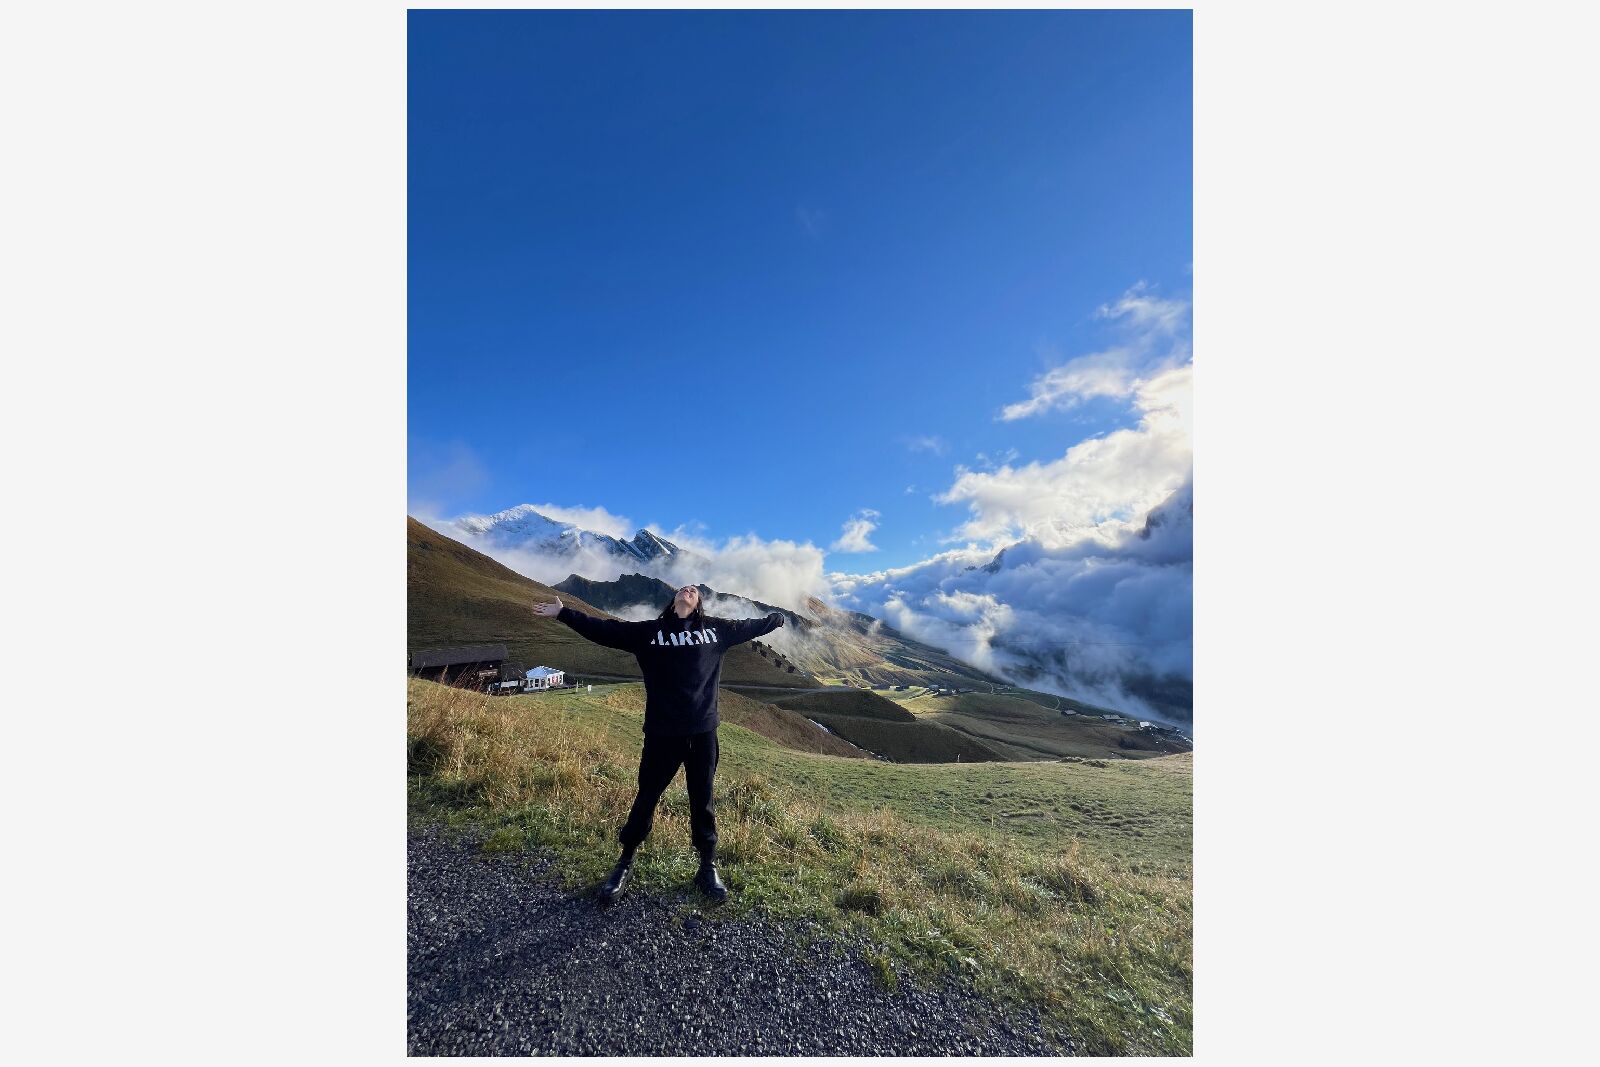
(915, 726)
(879, 725)
(1032, 727)
(789, 728)
(857, 703)
(1064, 885)
(1034, 731)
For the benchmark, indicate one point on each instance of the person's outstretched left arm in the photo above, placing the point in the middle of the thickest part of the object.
(738, 631)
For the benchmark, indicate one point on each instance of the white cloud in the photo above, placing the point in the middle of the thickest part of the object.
(781, 572)
(952, 560)
(963, 624)
(1114, 478)
(857, 528)
(641, 612)
(927, 443)
(1109, 373)
(1147, 312)
(1155, 342)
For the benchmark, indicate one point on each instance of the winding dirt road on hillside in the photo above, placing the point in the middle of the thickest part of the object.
(500, 960)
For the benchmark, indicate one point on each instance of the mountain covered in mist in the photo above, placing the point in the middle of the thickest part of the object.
(1121, 625)
(456, 595)
(524, 528)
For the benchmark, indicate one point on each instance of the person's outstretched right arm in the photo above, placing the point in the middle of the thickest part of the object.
(613, 633)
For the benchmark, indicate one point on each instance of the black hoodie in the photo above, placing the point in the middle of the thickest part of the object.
(681, 660)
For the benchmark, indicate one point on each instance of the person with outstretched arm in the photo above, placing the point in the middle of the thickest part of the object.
(680, 655)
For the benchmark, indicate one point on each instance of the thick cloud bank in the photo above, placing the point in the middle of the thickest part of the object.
(785, 573)
(1106, 619)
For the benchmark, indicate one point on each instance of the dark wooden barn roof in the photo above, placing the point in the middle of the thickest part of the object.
(449, 657)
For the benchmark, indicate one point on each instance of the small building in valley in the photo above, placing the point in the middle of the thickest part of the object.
(542, 677)
(471, 666)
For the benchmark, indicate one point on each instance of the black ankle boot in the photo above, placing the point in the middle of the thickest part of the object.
(611, 888)
(708, 881)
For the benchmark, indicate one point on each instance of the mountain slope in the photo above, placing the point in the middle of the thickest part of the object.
(1021, 728)
(789, 728)
(881, 726)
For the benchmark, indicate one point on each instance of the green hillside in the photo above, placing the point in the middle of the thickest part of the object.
(1031, 726)
(910, 742)
(1024, 730)
(916, 726)
(881, 726)
(458, 596)
(1063, 885)
(857, 703)
(1050, 700)
(788, 728)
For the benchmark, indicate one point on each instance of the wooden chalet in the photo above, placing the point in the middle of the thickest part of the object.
(471, 666)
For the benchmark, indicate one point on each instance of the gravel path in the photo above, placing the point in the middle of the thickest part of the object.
(502, 961)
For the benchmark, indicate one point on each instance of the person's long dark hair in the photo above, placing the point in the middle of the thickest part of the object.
(699, 612)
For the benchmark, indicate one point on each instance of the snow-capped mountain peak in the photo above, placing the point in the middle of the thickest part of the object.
(648, 546)
(524, 528)
(521, 521)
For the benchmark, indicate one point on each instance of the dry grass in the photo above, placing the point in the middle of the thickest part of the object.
(1102, 948)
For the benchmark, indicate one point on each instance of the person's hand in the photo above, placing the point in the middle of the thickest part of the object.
(779, 616)
(548, 611)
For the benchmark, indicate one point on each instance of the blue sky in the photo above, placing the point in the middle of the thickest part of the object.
(754, 272)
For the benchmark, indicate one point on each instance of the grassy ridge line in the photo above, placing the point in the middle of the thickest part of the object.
(1099, 941)
(788, 728)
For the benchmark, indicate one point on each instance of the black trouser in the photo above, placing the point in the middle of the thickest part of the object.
(697, 754)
